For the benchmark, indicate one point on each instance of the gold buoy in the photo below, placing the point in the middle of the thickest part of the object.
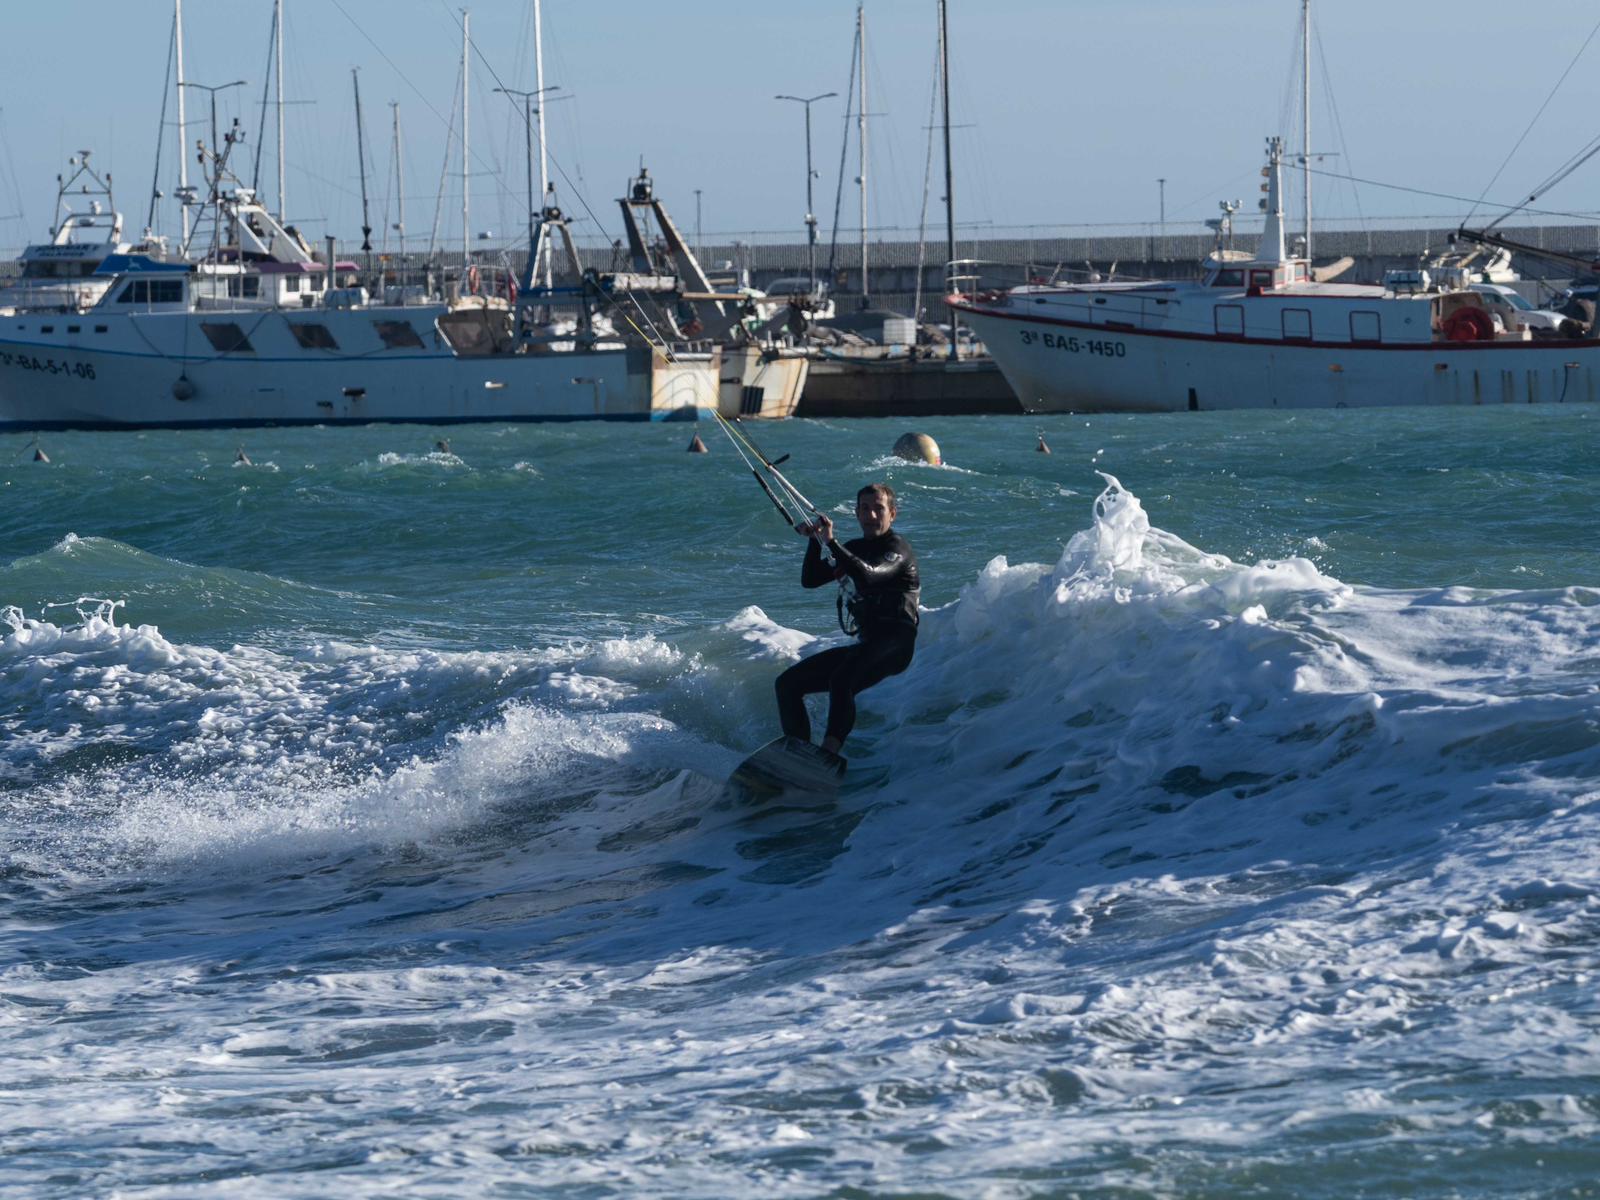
(1041, 447)
(917, 447)
(696, 446)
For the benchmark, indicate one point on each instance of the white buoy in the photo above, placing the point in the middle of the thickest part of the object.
(917, 447)
(1041, 447)
(40, 456)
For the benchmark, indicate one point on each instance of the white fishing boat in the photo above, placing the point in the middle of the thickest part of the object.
(254, 335)
(62, 273)
(1260, 331)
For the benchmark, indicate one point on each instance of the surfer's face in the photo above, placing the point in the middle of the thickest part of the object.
(875, 514)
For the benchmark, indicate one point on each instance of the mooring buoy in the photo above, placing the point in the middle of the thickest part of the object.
(696, 446)
(917, 447)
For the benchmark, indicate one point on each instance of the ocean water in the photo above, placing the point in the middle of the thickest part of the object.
(1233, 833)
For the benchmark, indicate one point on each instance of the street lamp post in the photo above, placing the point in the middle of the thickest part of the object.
(811, 220)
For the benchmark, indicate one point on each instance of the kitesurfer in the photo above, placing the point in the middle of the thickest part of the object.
(878, 572)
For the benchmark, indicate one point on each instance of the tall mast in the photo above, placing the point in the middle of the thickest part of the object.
(399, 179)
(361, 158)
(949, 187)
(861, 139)
(283, 212)
(538, 85)
(466, 205)
(1305, 111)
(183, 128)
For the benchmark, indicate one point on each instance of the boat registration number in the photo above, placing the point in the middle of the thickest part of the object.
(28, 362)
(1075, 345)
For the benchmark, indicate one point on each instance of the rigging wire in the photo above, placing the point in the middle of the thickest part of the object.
(161, 127)
(844, 151)
(1528, 130)
(927, 184)
(1397, 187)
(266, 90)
(1338, 123)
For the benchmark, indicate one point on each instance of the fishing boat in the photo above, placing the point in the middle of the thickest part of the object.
(1262, 331)
(63, 272)
(259, 333)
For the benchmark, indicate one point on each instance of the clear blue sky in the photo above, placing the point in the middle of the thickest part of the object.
(1068, 110)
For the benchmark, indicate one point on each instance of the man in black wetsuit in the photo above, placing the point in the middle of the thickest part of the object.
(882, 568)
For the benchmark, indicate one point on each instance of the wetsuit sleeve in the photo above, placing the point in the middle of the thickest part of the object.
(864, 573)
(814, 573)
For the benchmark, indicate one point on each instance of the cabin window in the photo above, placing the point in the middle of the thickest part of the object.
(1229, 319)
(1365, 327)
(47, 329)
(246, 286)
(312, 336)
(130, 294)
(1261, 279)
(398, 335)
(1297, 324)
(291, 284)
(166, 291)
(226, 338)
(1232, 277)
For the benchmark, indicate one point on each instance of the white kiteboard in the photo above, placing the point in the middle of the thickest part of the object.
(789, 765)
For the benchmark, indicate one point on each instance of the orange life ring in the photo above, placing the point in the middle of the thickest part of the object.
(1468, 325)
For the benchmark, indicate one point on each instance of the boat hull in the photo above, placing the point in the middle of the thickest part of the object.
(1063, 366)
(143, 373)
(906, 387)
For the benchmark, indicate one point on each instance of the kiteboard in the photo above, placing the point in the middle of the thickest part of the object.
(788, 764)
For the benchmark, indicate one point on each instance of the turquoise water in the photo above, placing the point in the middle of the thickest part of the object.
(362, 825)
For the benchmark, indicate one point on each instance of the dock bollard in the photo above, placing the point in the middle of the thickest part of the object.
(918, 447)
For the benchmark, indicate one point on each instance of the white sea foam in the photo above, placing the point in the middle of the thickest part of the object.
(1149, 848)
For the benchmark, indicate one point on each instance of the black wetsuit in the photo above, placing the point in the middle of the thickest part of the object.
(884, 571)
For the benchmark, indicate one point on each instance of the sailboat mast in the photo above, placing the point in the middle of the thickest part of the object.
(466, 204)
(283, 211)
(949, 186)
(1305, 111)
(361, 159)
(544, 170)
(183, 128)
(861, 139)
(399, 180)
